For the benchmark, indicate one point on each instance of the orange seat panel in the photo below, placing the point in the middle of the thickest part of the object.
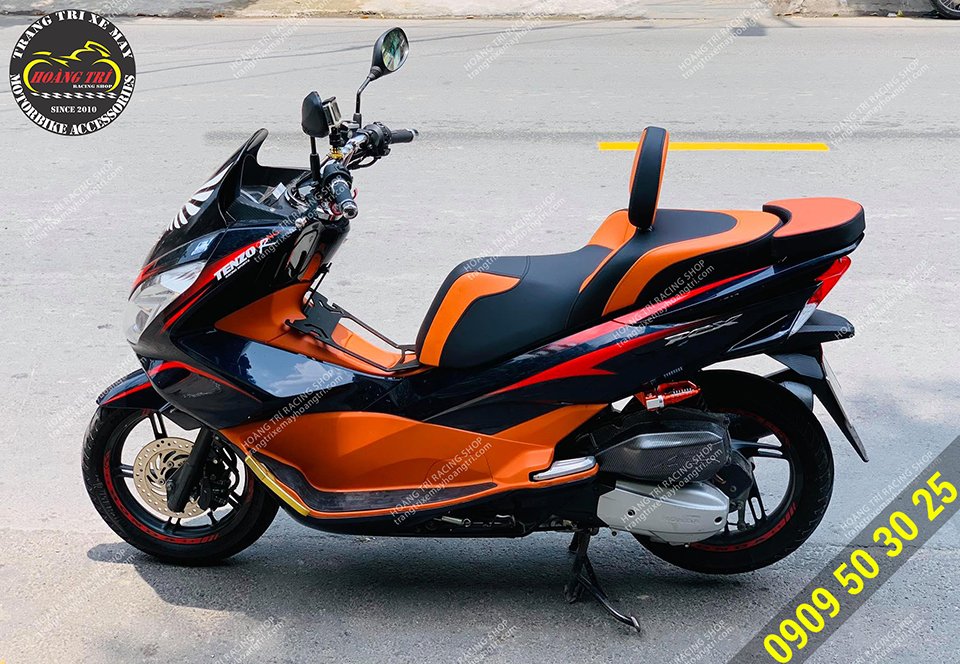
(813, 226)
(463, 292)
(750, 226)
(615, 231)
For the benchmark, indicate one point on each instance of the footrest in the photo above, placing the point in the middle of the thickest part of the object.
(322, 318)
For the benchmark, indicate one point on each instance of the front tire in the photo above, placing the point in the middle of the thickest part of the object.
(202, 539)
(763, 409)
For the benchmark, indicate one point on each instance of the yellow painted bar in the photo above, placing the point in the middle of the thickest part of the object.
(678, 146)
(267, 477)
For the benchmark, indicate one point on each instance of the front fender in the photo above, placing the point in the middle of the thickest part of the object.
(136, 391)
(132, 391)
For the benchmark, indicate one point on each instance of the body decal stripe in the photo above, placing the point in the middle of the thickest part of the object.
(165, 366)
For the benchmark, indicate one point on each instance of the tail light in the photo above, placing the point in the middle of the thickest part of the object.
(826, 281)
(829, 279)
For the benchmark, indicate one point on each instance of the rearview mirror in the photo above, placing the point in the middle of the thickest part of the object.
(318, 116)
(311, 117)
(389, 53)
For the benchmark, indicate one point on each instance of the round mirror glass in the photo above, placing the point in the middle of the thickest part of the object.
(393, 49)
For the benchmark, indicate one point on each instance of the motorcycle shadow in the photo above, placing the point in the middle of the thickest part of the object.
(291, 575)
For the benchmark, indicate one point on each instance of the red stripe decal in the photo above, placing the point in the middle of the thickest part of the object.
(148, 271)
(182, 310)
(586, 365)
(180, 365)
(656, 307)
(127, 392)
(208, 274)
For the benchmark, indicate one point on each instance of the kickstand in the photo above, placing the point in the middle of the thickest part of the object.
(584, 578)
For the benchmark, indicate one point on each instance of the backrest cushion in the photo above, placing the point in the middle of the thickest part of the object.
(646, 177)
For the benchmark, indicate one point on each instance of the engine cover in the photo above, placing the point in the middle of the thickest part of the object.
(672, 515)
(675, 447)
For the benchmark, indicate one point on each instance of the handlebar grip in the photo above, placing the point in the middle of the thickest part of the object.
(403, 135)
(343, 197)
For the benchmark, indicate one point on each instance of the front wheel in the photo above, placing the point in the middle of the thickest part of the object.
(793, 472)
(128, 457)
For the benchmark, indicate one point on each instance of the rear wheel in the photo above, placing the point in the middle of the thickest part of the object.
(793, 470)
(128, 457)
(947, 8)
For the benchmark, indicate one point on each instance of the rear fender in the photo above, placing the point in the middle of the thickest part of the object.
(807, 373)
(808, 368)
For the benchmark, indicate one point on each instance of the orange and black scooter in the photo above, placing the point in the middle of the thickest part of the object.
(565, 392)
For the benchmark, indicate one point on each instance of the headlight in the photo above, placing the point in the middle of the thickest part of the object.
(153, 295)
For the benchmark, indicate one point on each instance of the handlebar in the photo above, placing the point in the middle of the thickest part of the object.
(343, 196)
(373, 140)
(403, 135)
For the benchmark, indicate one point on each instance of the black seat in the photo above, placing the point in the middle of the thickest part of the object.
(520, 302)
(492, 308)
(535, 303)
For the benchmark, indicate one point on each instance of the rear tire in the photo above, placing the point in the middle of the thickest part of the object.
(762, 401)
(947, 8)
(113, 499)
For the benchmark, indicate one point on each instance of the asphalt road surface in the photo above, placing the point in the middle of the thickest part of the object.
(507, 130)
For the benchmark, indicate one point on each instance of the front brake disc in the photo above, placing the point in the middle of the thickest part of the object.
(155, 464)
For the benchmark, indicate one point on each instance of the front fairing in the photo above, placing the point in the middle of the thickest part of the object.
(225, 228)
(250, 243)
(208, 211)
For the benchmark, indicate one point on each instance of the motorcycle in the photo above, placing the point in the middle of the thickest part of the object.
(566, 393)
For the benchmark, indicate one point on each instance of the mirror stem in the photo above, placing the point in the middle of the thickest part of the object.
(372, 76)
(314, 160)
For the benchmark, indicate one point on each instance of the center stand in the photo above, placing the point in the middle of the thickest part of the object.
(584, 578)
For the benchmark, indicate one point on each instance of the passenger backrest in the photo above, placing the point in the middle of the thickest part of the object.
(646, 177)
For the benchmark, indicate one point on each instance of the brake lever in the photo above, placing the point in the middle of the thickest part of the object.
(361, 164)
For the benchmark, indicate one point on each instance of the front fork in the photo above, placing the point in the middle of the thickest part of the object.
(182, 483)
